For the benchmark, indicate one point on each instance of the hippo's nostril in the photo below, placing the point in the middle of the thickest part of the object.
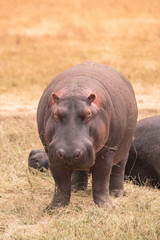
(78, 154)
(60, 153)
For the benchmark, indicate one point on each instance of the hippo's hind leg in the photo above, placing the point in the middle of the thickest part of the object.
(79, 180)
(116, 186)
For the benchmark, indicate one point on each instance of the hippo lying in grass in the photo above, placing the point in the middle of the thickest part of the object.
(38, 159)
(144, 156)
(86, 120)
(143, 164)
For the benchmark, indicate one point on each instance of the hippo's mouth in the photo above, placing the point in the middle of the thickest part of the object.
(70, 166)
(77, 168)
(82, 169)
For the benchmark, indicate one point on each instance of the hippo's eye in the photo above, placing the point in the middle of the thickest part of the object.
(59, 116)
(87, 114)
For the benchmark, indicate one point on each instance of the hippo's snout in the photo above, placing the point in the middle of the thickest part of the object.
(72, 156)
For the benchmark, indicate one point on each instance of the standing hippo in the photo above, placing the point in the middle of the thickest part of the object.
(144, 156)
(86, 120)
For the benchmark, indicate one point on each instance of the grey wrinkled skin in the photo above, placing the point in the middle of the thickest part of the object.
(86, 120)
(144, 156)
(38, 159)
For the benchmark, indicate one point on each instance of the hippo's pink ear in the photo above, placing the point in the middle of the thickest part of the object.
(55, 98)
(92, 97)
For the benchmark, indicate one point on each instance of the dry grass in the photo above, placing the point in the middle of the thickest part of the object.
(39, 39)
(24, 197)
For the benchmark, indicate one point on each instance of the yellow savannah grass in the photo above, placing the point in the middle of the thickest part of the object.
(39, 39)
(25, 196)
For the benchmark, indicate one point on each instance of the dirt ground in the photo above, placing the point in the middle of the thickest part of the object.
(11, 106)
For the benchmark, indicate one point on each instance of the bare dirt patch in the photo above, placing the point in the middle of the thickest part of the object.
(11, 106)
(14, 106)
(148, 104)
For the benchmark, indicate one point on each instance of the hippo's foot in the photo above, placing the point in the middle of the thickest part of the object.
(59, 200)
(117, 192)
(57, 204)
(102, 201)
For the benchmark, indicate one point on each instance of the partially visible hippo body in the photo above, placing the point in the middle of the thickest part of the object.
(144, 156)
(38, 159)
(86, 120)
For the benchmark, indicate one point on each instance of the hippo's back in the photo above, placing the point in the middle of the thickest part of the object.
(147, 140)
(104, 79)
(144, 157)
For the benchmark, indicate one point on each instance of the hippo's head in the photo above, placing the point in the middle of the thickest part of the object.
(38, 159)
(75, 130)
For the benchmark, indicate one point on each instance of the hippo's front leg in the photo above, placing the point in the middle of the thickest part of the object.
(62, 193)
(116, 186)
(100, 178)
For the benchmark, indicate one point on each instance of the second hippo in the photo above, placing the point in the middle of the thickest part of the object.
(144, 157)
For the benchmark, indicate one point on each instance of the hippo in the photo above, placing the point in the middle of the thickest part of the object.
(144, 157)
(38, 159)
(86, 120)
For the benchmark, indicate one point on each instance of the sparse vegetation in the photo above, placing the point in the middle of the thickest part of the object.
(39, 39)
